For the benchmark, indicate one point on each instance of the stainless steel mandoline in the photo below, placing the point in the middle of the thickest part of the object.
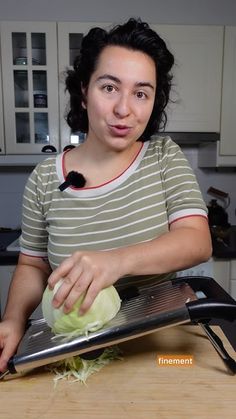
(144, 310)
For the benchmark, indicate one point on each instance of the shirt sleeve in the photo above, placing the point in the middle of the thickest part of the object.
(183, 195)
(34, 237)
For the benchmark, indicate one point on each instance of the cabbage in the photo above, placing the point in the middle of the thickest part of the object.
(105, 306)
(78, 369)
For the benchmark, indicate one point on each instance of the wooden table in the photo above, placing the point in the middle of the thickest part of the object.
(135, 387)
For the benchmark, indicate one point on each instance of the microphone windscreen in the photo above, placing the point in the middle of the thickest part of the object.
(73, 179)
(76, 179)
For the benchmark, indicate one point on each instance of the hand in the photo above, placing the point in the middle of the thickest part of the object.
(85, 272)
(10, 335)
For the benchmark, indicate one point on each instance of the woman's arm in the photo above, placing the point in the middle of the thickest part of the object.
(27, 286)
(188, 243)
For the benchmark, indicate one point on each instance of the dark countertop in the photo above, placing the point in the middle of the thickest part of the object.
(8, 258)
(6, 238)
(222, 249)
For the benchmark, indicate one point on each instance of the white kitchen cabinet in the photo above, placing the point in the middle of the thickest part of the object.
(233, 279)
(221, 273)
(228, 113)
(198, 52)
(6, 272)
(70, 35)
(223, 153)
(30, 87)
(2, 143)
(219, 270)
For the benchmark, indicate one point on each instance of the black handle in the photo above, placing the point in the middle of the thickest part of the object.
(217, 308)
(220, 349)
(207, 309)
(49, 149)
(68, 147)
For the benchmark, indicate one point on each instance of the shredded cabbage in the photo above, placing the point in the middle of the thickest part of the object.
(79, 369)
(105, 306)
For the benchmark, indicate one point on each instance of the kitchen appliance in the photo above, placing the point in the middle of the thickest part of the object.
(144, 310)
(217, 214)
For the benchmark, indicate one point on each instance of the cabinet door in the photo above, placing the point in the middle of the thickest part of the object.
(30, 86)
(70, 35)
(223, 153)
(228, 115)
(221, 273)
(196, 90)
(2, 145)
(233, 279)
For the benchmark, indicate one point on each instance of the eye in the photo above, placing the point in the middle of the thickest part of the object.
(108, 88)
(141, 95)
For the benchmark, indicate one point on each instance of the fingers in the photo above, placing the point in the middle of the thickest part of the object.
(8, 350)
(83, 274)
(76, 291)
(75, 284)
(60, 272)
(90, 296)
(69, 281)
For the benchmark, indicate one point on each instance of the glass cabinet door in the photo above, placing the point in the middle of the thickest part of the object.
(30, 85)
(70, 36)
(2, 145)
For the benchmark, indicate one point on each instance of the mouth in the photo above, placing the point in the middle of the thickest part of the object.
(119, 130)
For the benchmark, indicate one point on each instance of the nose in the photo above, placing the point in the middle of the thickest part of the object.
(122, 106)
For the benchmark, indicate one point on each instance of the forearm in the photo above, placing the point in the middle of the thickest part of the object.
(186, 244)
(25, 293)
(171, 252)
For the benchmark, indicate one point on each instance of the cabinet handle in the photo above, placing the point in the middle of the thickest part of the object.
(68, 147)
(49, 149)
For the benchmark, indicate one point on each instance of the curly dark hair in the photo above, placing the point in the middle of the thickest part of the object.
(135, 35)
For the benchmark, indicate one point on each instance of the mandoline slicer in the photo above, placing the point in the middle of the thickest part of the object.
(144, 310)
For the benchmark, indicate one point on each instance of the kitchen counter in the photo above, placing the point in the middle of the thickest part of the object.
(135, 387)
(7, 237)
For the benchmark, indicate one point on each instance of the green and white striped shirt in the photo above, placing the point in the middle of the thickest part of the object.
(158, 188)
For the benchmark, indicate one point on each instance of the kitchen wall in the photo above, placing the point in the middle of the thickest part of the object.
(154, 11)
(205, 12)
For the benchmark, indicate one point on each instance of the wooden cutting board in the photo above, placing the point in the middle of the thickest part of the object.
(135, 387)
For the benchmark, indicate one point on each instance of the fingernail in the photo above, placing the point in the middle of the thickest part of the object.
(55, 303)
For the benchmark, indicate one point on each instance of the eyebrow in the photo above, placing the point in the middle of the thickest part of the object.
(117, 80)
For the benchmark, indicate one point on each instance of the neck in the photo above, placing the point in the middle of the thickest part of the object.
(98, 165)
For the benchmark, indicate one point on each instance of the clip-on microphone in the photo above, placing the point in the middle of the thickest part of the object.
(73, 179)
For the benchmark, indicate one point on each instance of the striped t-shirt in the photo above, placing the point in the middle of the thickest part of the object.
(158, 188)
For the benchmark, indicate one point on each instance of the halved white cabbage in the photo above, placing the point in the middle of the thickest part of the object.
(105, 306)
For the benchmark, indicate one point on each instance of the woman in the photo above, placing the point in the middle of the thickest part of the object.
(140, 215)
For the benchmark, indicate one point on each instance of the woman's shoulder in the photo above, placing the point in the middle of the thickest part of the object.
(44, 173)
(162, 145)
(47, 166)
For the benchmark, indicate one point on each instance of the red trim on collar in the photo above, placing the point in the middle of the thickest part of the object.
(102, 184)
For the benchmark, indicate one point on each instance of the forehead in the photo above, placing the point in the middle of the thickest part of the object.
(126, 63)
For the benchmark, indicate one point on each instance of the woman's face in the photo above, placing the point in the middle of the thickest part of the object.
(120, 97)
